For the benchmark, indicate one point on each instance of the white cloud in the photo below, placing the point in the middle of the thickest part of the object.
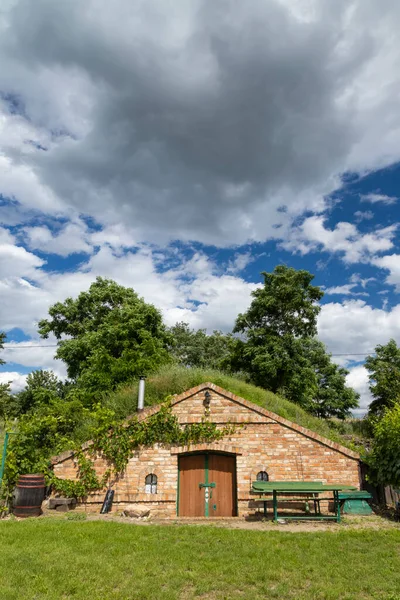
(374, 198)
(345, 239)
(392, 264)
(72, 238)
(191, 289)
(358, 379)
(240, 261)
(36, 354)
(344, 290)
(15, 259)
(352, 330)
(17, 380)
(365, 215)
(355, 327)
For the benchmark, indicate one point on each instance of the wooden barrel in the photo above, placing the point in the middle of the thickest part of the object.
(29, 495)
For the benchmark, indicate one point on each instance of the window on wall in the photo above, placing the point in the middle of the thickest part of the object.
(151, 484)
(262, 476)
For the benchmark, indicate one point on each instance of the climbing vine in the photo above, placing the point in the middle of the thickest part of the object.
(117, 442)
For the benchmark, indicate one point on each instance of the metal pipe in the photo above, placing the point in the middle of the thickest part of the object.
(3, 458)
(140, 405)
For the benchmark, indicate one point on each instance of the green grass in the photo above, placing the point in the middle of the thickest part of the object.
(175, 380)
(56, 559)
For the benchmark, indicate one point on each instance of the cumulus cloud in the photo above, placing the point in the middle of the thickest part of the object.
(356, 328)
(16, 380)
(391, 263)
(358, 379)
(344, 239)
(194, 121)
(70, 239)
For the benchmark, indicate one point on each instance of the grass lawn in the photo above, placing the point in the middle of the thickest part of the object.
(92, 560)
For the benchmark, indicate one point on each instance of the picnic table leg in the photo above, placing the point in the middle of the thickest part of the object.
(265, 508)
(275, 502)
(337, 505)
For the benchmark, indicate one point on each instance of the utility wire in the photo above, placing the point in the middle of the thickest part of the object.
(55, 346)
(5, 347)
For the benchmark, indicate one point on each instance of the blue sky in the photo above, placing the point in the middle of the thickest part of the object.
(182, 149)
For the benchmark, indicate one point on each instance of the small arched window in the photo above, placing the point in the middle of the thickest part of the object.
(151, 484)
(262, 476)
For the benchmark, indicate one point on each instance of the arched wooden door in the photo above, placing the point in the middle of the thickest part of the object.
(207, 485)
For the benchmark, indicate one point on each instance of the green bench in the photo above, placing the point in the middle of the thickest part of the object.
(355, 502)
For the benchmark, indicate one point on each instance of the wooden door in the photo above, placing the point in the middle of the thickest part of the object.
(222, 472)
(191, 496)
(207, 485)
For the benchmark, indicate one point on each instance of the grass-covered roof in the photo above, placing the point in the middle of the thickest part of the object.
(176, 380)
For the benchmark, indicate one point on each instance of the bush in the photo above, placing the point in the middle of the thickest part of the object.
(384, 458)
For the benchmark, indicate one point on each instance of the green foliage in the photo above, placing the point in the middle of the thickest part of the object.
(116, 442)
(279, 351)
(282, 312)
(41, 387)
(107, 336)
(194, 348)
(5, 401)
(285, 305)
(384, 377)
(175, 380)
(384, 457)
(49, 430)
(318, 384)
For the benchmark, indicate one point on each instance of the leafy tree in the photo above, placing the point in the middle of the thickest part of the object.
(41, 387)
(278, 348)
(384, 458)
(194, 348)
(384, 377)
(286, 305)
(107, 336)
(328, 394)
(284, 310)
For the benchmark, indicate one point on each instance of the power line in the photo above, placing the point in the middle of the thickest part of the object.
(22, 347)
(56, 346)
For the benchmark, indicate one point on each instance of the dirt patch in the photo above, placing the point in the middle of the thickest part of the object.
(348, 522)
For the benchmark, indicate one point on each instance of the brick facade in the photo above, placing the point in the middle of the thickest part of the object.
(262, 441)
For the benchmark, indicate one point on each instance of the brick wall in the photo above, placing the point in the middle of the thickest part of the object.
(261, 441)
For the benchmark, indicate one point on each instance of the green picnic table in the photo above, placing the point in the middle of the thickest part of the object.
(310, 489)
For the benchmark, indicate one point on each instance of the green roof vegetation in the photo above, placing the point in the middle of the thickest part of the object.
(171, 380)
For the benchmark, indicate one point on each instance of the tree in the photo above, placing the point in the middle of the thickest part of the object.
(285, 305)
(194, 348)
(329, 396)
(278, 348)
(384, 377)
(107, 336)
(384, 458)
(41, 387)
(284, 310)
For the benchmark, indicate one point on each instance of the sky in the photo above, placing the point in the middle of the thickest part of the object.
(182, 148)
